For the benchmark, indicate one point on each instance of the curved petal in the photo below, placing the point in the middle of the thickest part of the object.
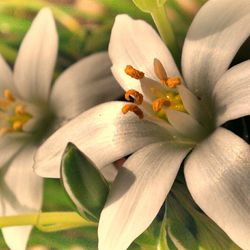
(6, 76)
(138, 193)
(186, 125)
(36, 58)
(21, 192)
(231, 95)
(103, 133)
(134, 42)
(84, 85)
(217, 174)
(217, 32)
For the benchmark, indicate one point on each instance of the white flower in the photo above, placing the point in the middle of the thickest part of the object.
(30, 110)
(187, 116)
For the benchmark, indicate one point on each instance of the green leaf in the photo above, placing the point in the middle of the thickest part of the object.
(204, 230)
(149, 5)
(83, 182)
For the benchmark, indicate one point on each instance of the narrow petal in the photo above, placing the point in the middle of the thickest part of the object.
(186, 125)
(231, 95)
(21, 192)
(103, 133)
(84, 85)
(36, 58)
(216, 34)
(135, 43)
(193, 105)
(6, 76)
(217, 174)
(137, 194)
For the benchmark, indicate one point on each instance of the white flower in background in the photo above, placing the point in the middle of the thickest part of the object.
(173, 115)
(30, 110)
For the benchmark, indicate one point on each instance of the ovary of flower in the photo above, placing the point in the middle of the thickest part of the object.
(168, 99)
(13, 114)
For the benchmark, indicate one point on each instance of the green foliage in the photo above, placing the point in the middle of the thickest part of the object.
(83, 182)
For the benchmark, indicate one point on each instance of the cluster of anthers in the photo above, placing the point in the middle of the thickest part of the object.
(169, 98)
(12, 114)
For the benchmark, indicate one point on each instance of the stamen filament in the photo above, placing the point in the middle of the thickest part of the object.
(138, 97)
(133, 108)
(134, 73)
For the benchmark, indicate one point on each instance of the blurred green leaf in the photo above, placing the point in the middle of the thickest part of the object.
(149, 5)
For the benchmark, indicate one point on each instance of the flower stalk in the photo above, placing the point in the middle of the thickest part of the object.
(48, 221)
(165, 29)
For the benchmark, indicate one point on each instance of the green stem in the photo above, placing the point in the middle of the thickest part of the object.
(49, 221)
(164, 27)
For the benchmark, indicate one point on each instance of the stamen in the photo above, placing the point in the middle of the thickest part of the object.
(134, 73)
(172, 82)
(17, 125)
(138, 97)
(133, 108)
(7, 94)
(158, 103)
(159, 70)
(19, 110)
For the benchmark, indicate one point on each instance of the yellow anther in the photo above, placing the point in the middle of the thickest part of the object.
(159, 70)
(133, 108)
(158, 103)
(134, 73)
(7, 94)
(172, 82)
(17, 125)
(138, 97)
(20, 110)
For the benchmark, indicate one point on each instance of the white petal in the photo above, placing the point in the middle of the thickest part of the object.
(186, 125)
(137, 194)
(103, 133)
(10, 146)
(193, 105)
(21, 191)
(217, 32)
(84, 85)
(231, 95)
(6, 77)
(217, 174)
(134, 42)
(36, 58)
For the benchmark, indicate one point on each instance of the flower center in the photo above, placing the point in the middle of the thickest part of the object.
(12, 114)
(161, 99)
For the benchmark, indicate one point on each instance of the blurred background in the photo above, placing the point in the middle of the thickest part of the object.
(84, 27)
